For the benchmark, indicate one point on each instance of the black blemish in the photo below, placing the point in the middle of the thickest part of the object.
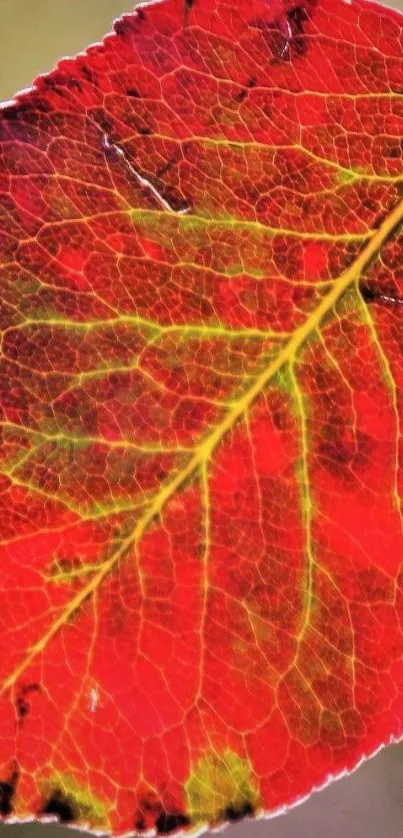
(393, 151)
(370, 295)
(170, 821)
(6, 796)
(22, 708)
(167, 166)
(89, 74)
(188, 8)
(274, 37)
(26, 109)
(56, 82)
(7, 791)
(240, 97)
(59, 805)
(104, 124)
(22, 704)
(11, 114)
(236, 813)
(128, 24)
(142, 128)
(120, 27)
(370, 204)
(344, 457)
(76, 84)
(297, 19)
(285, 37)
(133, 92)
(176, 202)
(41, 105)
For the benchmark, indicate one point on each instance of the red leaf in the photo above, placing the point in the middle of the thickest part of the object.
(201, 409)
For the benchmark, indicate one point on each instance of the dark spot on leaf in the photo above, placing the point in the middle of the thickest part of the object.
(344, 454)
(297, 18)
(55, 84)
(370, 204)
(133, 92)
(6, 796)
(383, 297)
(42, 106)
(127, 24)
(368, 293)
(7, 791)
(167, 166)
(188, 8)
(75, 83)
(285, 36)
(120, 27)
(274, 37)
(155, 520)
(102, 121)
(22, 703)
(11, 114)
(142, 128)
(89, 74)
(176, 202)
(61, 806)
(240, 97)
(170, 822)
(22, 708)
(236, 813)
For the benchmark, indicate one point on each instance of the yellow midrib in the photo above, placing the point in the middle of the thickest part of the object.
(205, 450)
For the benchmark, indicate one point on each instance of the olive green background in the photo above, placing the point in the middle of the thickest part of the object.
(369, 804)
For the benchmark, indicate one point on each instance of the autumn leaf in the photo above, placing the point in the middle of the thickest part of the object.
(201, 414)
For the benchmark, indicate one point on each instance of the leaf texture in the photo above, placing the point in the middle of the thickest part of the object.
(201, 414)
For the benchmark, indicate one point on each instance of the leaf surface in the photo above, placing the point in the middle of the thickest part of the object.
(201, 414)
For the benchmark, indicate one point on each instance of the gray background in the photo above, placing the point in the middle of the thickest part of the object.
(368, 804)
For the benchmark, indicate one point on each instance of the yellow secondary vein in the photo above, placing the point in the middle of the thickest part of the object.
(186, 329)
(306, 507)
(390, 381)
(242, 223)
(227, 143)
(205, 450)
(206, 523)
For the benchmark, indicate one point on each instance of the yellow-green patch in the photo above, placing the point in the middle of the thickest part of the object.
(221, 787)
(85, 806)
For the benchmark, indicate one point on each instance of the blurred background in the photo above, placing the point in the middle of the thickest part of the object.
(34, 34)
